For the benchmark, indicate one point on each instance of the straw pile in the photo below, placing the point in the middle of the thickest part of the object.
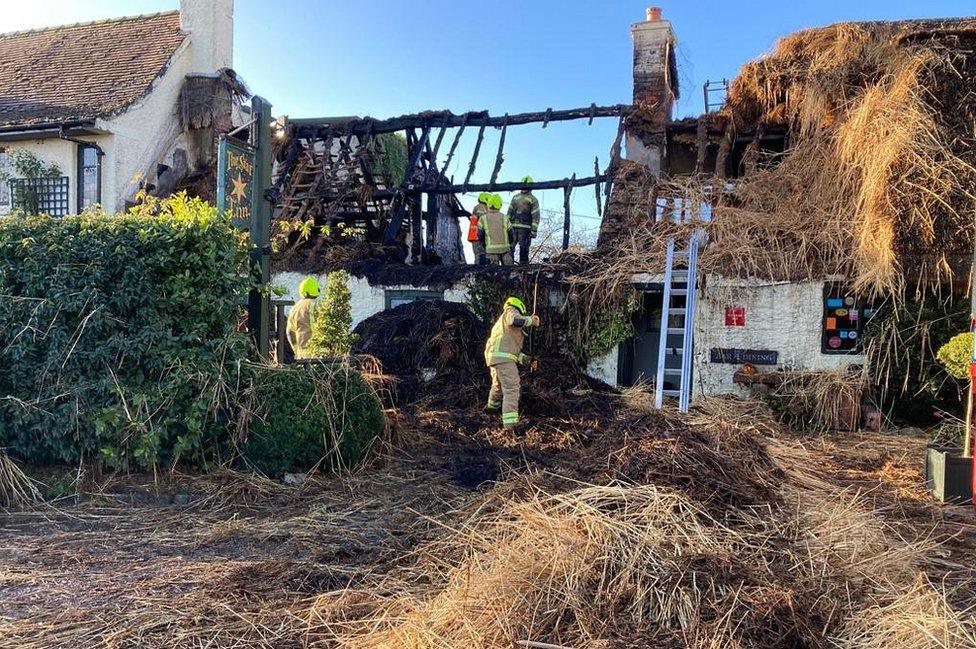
(876, 183)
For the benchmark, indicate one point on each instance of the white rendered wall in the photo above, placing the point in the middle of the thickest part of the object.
(780, 316)
(366, 300)
(142, 134)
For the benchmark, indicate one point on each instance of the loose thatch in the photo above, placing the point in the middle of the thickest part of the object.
(876, 184)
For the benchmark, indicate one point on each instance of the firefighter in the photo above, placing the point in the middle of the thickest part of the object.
(301, 315)
(476, 214)
(523, 212)
(503, 354)
(494, 232)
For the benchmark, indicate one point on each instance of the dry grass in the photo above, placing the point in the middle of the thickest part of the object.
(16, 488)
(400, 557)
(875, 185)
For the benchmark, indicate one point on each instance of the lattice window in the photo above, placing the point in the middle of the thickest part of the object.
(40, 195)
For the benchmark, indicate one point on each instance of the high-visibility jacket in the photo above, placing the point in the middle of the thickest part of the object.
(299, 328)
(493, 229)
(505, 342)
(523, 211)
(476, 214)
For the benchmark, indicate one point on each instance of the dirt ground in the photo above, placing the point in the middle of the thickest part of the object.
(230, 559)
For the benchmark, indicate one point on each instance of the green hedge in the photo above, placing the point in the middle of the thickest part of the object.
(303, 413)
(119, 334)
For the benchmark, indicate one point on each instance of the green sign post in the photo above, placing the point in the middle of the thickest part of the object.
(243, 179)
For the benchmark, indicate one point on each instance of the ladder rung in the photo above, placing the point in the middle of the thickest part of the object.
(679, 291)
(674, 351)
(675, 330)
(672, 370)
(677, 310)
(671, 393)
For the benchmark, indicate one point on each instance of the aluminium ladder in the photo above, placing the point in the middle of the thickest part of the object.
(678, 303)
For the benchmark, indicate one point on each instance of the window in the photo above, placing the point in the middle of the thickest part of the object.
(89, 176)
(6, 168)
(843, 320)
(47, 195)
(396, 298)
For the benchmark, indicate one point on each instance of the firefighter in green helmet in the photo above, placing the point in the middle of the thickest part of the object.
(474, 237)
(494, 232)
(523, 213)
(300, 317)
(503, 355)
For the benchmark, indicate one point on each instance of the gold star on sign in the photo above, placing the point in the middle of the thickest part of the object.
(240, 188)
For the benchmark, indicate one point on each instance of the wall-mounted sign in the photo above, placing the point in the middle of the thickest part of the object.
(735, 316)
(843, 321)
(743, 356)
(235, 169)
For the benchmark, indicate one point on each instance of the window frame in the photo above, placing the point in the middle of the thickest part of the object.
(390, 294)
(80, 182)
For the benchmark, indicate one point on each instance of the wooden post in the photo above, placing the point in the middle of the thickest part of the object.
(500, 156)
(474, 156)
(596, 187)
(567, 191)
(259, 301)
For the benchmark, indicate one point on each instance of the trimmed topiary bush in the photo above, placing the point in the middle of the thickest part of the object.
(332, 319)
(310, 412)
(956, 355)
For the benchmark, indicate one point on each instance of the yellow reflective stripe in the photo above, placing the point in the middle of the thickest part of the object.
(509, 417)
(505, 355)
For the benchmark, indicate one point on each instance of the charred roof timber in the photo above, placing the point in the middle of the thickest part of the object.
(330, 127)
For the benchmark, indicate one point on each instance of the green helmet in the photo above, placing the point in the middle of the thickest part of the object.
(517, 303)
(483, 197)
(309, 287)
(495, 202)
(527, 179)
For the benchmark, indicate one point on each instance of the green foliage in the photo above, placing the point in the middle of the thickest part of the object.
(120, 334)
(956, 355)
(607, 328)
(332, 321)
(305, 413)
(27, 166)
(486, 295)
(389, 153)
(902, 346)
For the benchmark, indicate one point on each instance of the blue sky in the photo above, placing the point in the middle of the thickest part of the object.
(314, 58)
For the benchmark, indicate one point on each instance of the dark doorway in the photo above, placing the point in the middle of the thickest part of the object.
(638, 362)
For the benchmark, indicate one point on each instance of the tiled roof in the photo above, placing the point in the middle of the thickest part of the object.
(85, 70)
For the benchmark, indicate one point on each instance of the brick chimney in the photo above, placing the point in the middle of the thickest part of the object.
(655, 88)
(210, 24)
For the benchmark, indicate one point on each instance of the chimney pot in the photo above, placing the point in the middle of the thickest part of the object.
(653, 14)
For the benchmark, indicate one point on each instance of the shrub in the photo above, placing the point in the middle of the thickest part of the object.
(956, 355)
(332, 322)
(302, 414)
(120, 336)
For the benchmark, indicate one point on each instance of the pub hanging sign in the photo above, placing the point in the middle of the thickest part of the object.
(235, 185)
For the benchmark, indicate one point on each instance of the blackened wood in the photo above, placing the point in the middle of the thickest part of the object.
(474, 156)
(701, 138)
(319, 128)
(482, 187)
(500, 156)
(457, 138)
(567, 192)
(596, 187)
(724, 147)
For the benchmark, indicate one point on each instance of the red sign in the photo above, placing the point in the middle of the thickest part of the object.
(735, 316)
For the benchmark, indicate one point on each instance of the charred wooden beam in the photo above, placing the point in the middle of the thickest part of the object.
(596, 187)
(500, 156)
(567, 192)
(381, 194)
(319, 128)
(474, 156)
